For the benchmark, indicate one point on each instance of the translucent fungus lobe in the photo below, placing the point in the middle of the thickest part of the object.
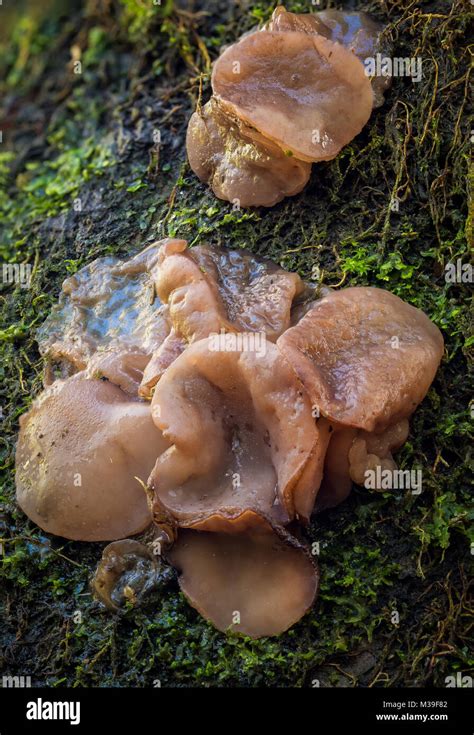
(307, 94)
(239, 168)
(258, 582)
(242, 437)
(355, 30)
(107, 306)
(83, 448)
(366, 357)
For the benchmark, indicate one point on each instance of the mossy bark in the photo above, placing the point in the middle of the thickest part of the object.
(95, 102)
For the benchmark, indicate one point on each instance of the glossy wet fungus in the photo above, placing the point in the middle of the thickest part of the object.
(219, 397)
(285, 96)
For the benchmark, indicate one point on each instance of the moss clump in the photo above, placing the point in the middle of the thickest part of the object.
(390, 211)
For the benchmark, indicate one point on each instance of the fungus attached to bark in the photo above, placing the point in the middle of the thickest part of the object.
(107, 306)
(259, 582)
(286, 95)
(259, 390)
(84, 453)
(366, 357)
(242, 436)
(238, 167)
(307, 94)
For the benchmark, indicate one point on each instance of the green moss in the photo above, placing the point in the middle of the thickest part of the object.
(138, 18)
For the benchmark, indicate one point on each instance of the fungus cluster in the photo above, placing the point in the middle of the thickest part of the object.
(222, 398)
(285, 96)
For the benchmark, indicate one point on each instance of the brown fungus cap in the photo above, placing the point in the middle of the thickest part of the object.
(366, 357)
(81, 448)
(242, 436)
(237, 167)
(355, 30)
(307, 94)
(210, 289)
(259, 581)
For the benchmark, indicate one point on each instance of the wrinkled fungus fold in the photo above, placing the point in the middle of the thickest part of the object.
(216, 395)
(238, 166)
(284, 96)
(208, 289)
(242, 436)
(366, 357)
(307, 94)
